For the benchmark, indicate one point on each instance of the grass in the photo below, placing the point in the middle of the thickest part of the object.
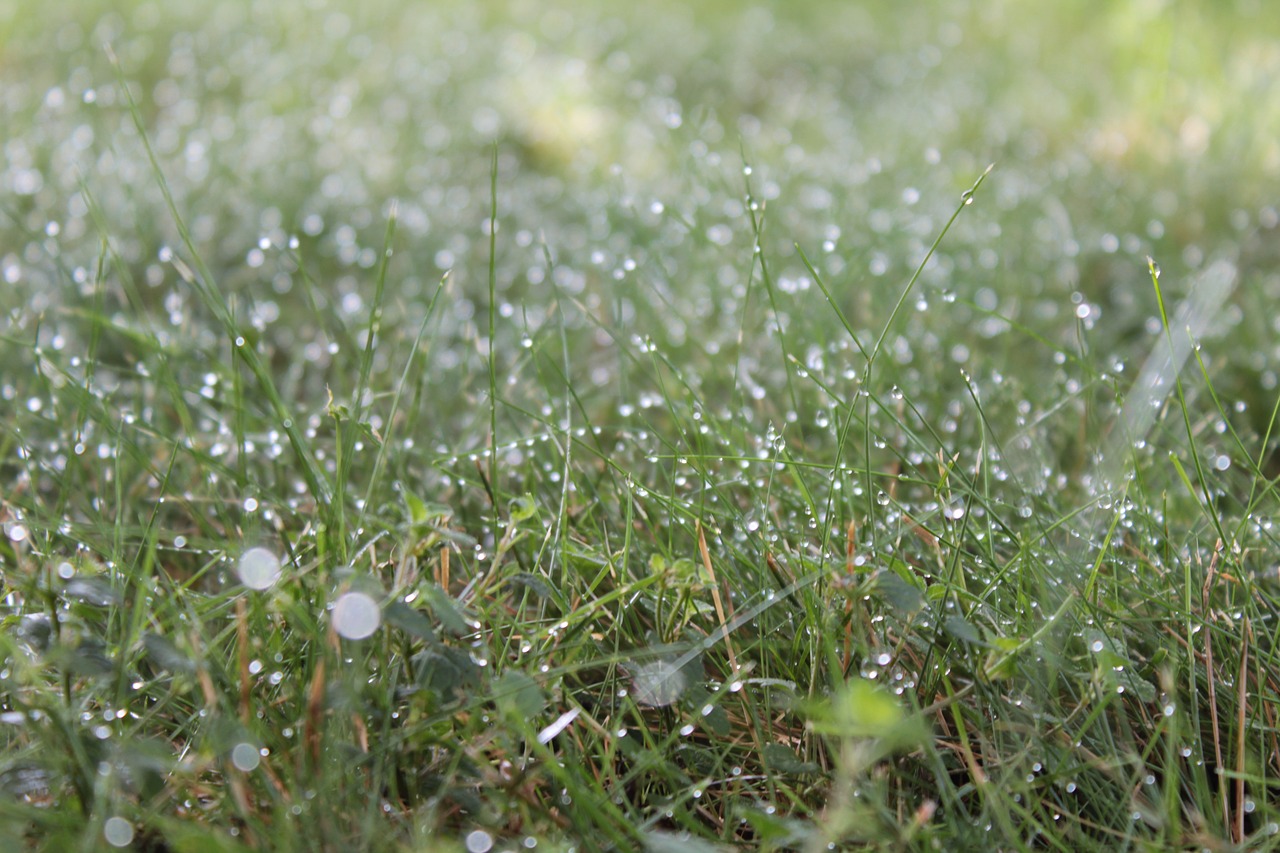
(772, 475)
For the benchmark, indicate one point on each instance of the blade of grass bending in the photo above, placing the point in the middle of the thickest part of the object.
(493, 314)
(966, 199)
(348, 439)
(395, 401)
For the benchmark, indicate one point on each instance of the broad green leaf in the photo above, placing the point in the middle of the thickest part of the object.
(422, 512)
(902, 596)
(963, 630)
(1136, 685)
(444, 670)
(774, 831)
(89, 658)
(446, 609)
(518, 694)
(717, 722)
(860, 709)
(536, 585)
(784, 758)
(400, 615)
(522, 508)
(1002, 661)
(165, 655)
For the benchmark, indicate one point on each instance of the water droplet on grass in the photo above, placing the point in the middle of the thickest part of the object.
(245, 757)
(356, 615)
(658, 683)
(479, 841)
(258, 568)
(118, 832)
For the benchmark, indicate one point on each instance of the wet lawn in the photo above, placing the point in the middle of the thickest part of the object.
(537, 426)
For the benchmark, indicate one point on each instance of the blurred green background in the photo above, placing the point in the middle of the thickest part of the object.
(1117, 130)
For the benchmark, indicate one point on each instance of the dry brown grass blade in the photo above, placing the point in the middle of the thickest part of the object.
(1242, 683)
(1212, 675)
(274, 779)
(202, 673)
(362, 732)
(315, 712)
(715, 597)
(850, 545)
(242, 652)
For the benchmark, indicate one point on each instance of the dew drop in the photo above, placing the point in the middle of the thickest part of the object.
(356, 615)
(479, 841)
(118, 832)
(258, 568)
(658, 683)
(245, 757)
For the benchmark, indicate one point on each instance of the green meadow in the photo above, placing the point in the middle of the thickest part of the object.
(680, 427)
